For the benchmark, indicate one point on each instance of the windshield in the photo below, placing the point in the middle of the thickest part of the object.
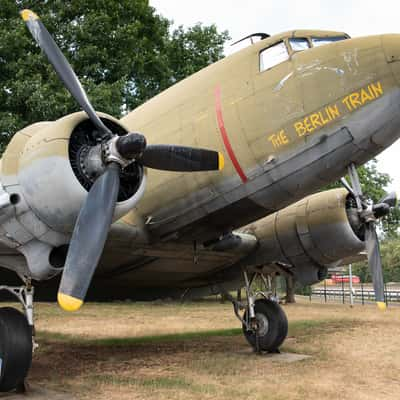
(273, 55)
(299, 44)
(326, 40)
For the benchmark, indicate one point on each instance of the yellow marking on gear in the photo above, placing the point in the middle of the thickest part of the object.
(28, 15)
(381, 305)
(221, 161)
(69, 303)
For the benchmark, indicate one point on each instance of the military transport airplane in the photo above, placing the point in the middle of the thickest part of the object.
(87, 197)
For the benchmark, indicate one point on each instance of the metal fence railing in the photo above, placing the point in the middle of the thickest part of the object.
(358, 294)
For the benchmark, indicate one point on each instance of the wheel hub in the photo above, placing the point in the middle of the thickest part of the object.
(262, 324)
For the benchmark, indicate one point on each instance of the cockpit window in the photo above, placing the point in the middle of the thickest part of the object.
(326, 40)
(273, 55)
(299, 44)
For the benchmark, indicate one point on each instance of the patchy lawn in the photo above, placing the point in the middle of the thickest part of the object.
(197, 351)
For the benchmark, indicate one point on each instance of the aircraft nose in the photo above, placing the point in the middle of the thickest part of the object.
(391, 47)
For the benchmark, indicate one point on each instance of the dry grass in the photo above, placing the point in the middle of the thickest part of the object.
(104, 352)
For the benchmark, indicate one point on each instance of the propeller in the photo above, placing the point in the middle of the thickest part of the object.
(62, 67)
(88, 239)
(95, 217)
(369, 215)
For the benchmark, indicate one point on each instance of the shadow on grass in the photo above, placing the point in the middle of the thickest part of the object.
(302, 327)
(136, 340)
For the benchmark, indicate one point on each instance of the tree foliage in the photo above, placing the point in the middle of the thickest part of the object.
(123, 52)
(390, 252)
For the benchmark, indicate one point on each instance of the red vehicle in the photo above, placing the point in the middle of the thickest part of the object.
(345, 279)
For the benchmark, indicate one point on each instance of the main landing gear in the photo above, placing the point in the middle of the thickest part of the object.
(17, 342)
(264, 322)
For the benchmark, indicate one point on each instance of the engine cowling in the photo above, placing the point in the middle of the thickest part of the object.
(310, 235)
(46, 174)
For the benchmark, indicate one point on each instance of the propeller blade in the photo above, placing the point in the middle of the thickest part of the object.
(62, 67)
(375, 264)
(181, 159)
(88, 239)
(347, 186)
(390, 199)
(359, 201)
(356, 186)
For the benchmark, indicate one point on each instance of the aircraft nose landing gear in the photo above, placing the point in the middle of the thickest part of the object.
(264, 322)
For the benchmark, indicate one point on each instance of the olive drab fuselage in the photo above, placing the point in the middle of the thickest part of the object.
(257, 118)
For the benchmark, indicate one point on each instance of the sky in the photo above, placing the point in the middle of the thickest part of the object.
(240, 18)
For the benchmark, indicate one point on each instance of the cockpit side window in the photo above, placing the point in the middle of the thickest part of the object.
(273, 55)
(299, 44)
(316, 41)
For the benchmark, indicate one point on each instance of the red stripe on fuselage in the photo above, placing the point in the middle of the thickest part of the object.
(224, 134)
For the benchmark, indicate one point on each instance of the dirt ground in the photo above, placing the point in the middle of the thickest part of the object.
(196, 351)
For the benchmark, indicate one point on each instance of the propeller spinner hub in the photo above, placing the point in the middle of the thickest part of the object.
(124, 149)
(381, 210)
(131, 145)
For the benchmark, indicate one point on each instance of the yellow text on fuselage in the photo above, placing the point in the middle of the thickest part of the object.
(358, 99)
(330, 113)
(317, 120)
(279, 139)
(350, 103)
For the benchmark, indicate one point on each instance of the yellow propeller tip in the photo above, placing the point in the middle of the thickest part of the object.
(381, 305)
(221, 161)
(69, 303)
(28, 15)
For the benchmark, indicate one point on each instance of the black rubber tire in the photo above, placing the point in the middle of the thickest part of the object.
(277, 326)
(15, 348)
(282, 329)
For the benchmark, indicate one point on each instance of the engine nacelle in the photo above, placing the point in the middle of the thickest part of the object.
(43, 171)
(53, 188)
(310, 235)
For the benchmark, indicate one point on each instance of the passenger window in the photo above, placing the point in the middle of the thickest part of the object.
(272, 56)
(299, 44)
(322, 41)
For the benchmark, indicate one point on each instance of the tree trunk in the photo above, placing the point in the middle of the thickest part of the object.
(290, 297)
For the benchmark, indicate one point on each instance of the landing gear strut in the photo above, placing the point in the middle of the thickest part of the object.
(264, 322)
(17, 342)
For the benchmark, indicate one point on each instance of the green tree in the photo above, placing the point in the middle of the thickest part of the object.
(123, 52)
(390, 252)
